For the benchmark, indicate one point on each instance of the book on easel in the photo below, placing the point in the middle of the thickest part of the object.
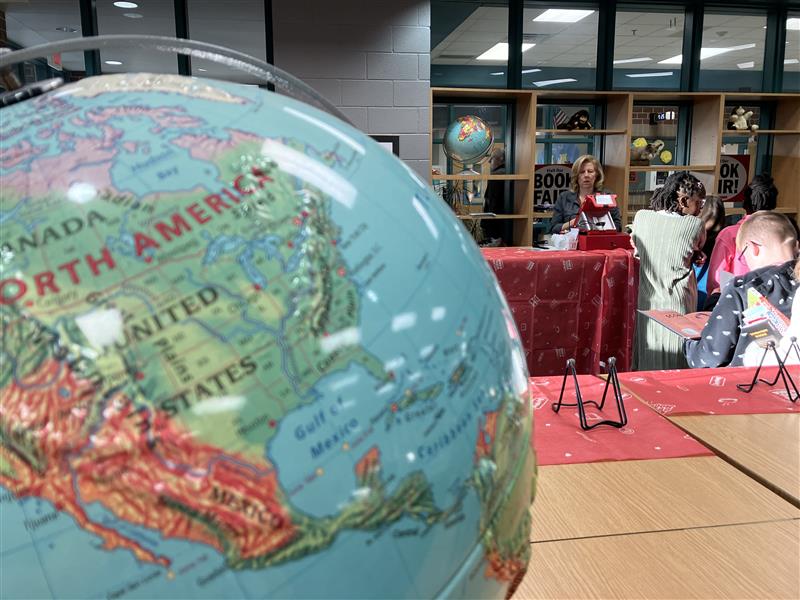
(687, 326)
(762, 321)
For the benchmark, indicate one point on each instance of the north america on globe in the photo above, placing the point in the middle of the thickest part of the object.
(239, 352)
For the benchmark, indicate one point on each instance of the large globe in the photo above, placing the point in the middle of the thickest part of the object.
(246, 353)
(468, 140)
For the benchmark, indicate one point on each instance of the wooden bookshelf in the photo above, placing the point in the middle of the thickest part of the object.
(583, 132)
(707, 130)
(487, 177)
(695, 168)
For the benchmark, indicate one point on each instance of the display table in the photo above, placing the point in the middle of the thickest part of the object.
(638, 496)
(763, 446)
(615, 522)
(757, 560)
(570, 304)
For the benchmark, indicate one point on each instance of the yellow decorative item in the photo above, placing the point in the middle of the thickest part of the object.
(639, 142)
(666, 157)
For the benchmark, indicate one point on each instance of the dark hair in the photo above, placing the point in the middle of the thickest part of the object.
(760, 194)
(714, 211)
(666, 197)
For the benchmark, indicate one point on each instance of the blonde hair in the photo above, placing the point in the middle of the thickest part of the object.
(766, 225)
(578, 165)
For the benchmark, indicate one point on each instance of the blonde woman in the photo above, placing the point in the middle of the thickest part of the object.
(587, 178)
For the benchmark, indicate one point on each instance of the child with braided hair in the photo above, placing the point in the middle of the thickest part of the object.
(667, 238)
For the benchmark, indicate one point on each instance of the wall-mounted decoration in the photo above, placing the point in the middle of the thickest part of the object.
(390, 142)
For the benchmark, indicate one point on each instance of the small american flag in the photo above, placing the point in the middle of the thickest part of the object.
(558, 118)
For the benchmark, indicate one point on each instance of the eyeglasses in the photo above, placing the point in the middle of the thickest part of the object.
(746, 246)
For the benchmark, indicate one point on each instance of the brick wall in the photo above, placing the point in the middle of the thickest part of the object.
(370, 59)
(641, 126)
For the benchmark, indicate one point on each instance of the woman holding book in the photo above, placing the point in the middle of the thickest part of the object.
(667, 239)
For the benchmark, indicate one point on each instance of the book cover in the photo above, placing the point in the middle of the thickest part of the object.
(687, 326)
(762, 321)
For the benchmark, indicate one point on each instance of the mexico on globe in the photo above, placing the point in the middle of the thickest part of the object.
(246, 353)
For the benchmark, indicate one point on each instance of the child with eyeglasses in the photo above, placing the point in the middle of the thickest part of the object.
(759, 194)
(767, 243)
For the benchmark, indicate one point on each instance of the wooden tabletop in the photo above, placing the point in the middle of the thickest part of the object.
(766, 447)
(605, 498)
(758, 560)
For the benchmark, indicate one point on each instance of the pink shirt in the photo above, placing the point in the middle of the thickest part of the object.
(724, 256)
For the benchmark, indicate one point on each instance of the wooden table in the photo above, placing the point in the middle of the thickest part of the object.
(766, 447)
(757, 560)
(611, 498)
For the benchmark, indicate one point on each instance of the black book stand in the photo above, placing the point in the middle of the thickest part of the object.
(783, 372)
(612, 380)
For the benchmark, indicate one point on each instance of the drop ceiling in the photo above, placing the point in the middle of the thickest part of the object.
(237, 24)
(658, 36)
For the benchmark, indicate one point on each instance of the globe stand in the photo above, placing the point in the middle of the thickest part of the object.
(612, 380)
(783, 372)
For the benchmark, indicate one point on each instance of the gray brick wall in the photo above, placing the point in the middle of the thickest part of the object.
(371, 59)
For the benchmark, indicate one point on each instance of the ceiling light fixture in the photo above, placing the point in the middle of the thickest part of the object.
(632, 60)
(655, 74)
(562, 15)
(793, 24)
(746, 65)
(552, 82)
(66, 29)
(113, 62)
(530, 71)
(203, 70)
(133, 15)
(498, 73)
(790, 61)
(705, 53)
(500, 51)
(126, 5)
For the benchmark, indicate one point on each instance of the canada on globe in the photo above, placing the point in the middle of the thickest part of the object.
(246, 353)
(468, 140)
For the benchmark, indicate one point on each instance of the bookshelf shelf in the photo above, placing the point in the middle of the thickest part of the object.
(696, 168)
(511, 177)
(583, 132)
(495, 217)
(707, 135)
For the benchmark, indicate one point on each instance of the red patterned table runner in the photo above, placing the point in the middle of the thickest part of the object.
(559, 439)
(710, 391)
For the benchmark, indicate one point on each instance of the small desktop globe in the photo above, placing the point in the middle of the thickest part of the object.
(238, 361)
(468, 140)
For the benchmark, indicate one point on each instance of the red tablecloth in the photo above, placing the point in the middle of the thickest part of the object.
(711, 391)
(559, 439)
(570, 304)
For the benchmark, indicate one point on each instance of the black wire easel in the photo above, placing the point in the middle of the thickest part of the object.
(612, 380)
(783, 372)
